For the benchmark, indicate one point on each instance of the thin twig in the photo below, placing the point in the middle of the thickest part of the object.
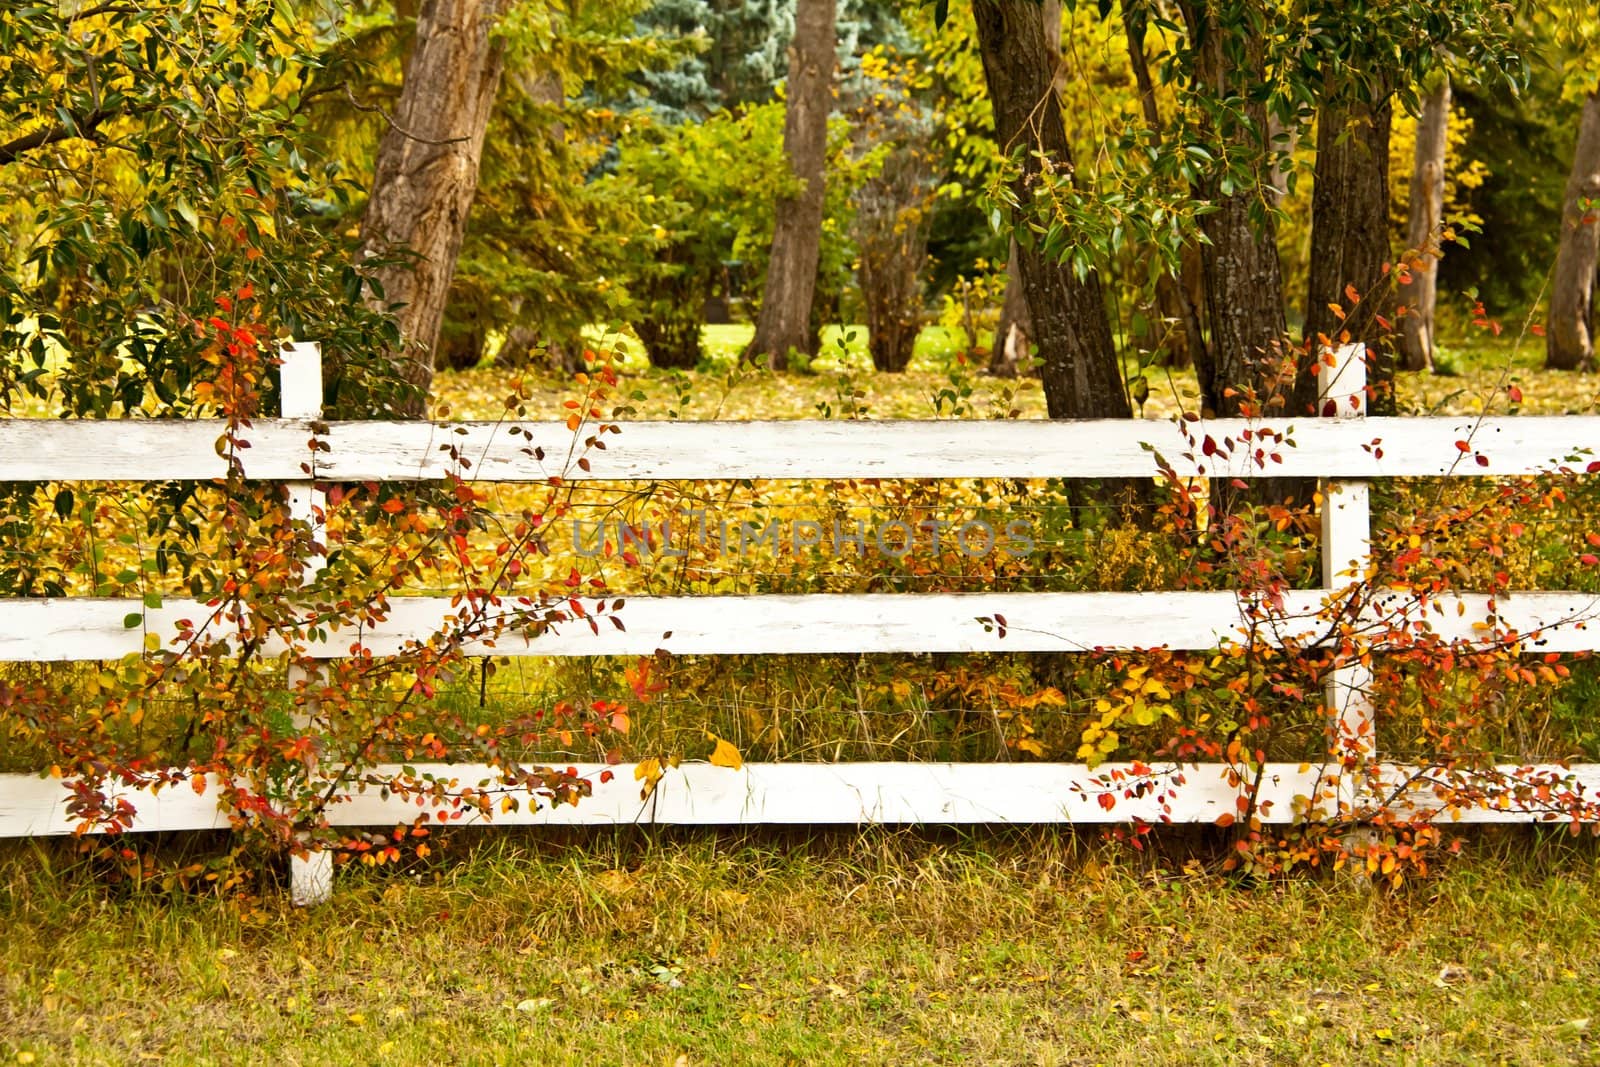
(82, 126)
(395, 126)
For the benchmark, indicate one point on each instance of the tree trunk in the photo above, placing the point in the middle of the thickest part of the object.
(1180, 333)
(1082, 377)
(1350, 239)
(892, 216)
(1569, 335)
(1247, 362)
(525, 347)
(1249, 367)
(1419, 295)
(1010, 349)
(426, 173)
(1012, 333)
(785, 319)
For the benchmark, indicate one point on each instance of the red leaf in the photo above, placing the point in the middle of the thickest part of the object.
(1589, 559)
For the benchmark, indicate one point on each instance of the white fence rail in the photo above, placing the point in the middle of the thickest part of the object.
(1345, 451)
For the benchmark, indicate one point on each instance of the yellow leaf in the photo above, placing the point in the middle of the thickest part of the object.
(647, 771)
(725, 755)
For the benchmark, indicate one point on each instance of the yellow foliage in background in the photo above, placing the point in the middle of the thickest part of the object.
(1461, 176)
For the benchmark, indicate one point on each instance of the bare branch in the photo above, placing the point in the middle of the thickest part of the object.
(82, 126)
(395, 126)
(102, 9)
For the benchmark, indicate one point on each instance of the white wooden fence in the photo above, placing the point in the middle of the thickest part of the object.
(1345, 450)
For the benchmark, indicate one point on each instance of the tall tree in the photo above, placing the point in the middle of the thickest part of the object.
(1013, 332)
(1345, 290)
(785, 318)
(1246, 360)
(426, 172)
(1419, 295)
(1569, 335)
(1185, 336)
(740, 64)
(1081, 374)
(891, 130)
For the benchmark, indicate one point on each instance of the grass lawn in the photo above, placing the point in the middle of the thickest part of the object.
(1036, 948)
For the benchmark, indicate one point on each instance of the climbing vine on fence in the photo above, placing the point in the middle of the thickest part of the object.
(1438, 729)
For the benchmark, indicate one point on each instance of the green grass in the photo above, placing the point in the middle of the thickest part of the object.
(1037, 948)
(843, 347)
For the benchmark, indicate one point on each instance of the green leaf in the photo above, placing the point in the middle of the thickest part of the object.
(133, 620)
(187, 212)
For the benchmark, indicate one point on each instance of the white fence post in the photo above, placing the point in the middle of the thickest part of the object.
(300, 397)
(1346, 561)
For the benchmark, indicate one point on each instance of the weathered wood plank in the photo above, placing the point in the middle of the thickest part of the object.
(83, 628)
(136, 450)
(850, 794)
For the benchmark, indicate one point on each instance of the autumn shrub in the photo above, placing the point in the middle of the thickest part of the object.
(234, 696)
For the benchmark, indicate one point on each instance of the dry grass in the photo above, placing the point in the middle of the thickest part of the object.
(775, 949)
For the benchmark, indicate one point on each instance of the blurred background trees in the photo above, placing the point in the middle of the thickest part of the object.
(1216, 184)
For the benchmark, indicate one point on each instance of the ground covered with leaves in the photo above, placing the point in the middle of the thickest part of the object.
(892, 948)
(1483, 372)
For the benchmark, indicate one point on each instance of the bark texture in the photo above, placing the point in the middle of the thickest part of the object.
(1569, 335)
(1013, 332)
(1081, 375)
(1419, 295)
(426, 173)
(785, 317)
(1247, 353)
(1350, 241)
